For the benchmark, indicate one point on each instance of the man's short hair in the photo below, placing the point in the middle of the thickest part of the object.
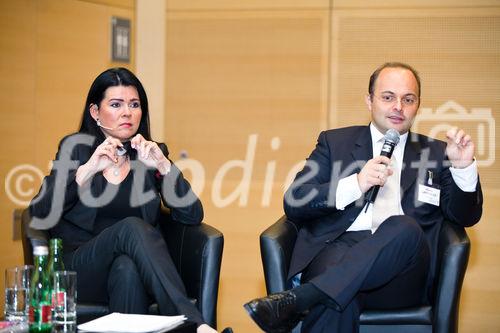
(374, 76)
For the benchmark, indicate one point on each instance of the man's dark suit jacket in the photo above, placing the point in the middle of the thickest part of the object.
(343, 152)
(77, 220)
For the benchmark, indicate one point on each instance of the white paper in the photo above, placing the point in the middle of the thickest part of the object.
(132, 323)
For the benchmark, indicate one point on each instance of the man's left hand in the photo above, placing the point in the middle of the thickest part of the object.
(460, 148)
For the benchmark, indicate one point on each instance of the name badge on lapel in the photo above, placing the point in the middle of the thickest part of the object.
(428, 193)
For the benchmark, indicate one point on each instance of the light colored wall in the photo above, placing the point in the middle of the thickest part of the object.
(456, 49)
(150, 60)
(232, 74)
(281, 70)
(289, 69)
(51, 50)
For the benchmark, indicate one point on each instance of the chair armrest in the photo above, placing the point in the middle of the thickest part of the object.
(30, 237)
(276, 246)
(453, 256)
(197, 253)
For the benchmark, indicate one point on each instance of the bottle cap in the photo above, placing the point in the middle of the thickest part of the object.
(40, 250)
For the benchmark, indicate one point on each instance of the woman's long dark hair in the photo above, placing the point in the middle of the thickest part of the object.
(110, 78)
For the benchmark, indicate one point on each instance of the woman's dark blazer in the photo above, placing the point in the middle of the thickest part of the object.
(60, 196)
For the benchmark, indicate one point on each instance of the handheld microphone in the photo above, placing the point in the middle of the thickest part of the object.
(391, 140)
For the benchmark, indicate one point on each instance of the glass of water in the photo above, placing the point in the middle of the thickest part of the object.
(64, 301)
(17, 286)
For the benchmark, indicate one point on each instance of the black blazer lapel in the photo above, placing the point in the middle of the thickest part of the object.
(411, 155)
(363, 148)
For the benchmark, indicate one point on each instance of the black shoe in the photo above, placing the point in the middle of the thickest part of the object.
(275, 313)
(227, 330)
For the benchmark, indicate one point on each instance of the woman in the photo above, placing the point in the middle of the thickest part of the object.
(110, 203)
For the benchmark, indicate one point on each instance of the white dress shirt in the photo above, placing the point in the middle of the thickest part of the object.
(348, 189)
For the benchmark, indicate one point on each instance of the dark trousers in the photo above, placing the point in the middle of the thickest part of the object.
(358, 270)
(128, 266)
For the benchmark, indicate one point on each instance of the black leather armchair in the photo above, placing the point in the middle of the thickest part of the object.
(195, 250)
(276, 245)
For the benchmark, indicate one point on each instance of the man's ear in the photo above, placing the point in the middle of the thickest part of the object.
(94, 111)
(368, 101)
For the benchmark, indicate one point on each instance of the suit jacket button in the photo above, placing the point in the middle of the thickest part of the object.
(329, 241)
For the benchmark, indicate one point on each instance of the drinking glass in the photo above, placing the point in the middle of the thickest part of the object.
(17, 286)
(64, 300)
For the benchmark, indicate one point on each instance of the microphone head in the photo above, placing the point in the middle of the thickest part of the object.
(392, 136)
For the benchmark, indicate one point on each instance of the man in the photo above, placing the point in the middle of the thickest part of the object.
(352, 253)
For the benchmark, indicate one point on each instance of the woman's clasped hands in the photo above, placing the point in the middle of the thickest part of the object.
(106, 158)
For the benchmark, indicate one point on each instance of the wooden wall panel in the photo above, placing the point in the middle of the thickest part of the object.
(413, 4)
(456, 51)
(128, 4)
(240, 5)
(212, 77)
(480, 292)
(457, 54)
(51, 52)
(80, 32)
(17, 92)
(233, 75)
(230, 75)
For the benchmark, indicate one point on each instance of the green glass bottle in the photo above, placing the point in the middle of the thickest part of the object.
(40, 319)
(55, 258)
(55, 264)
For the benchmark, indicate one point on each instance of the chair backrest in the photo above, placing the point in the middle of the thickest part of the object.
(453, 257)
(197, 253)
(277, 244)
(31, 237)
(195, 249)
